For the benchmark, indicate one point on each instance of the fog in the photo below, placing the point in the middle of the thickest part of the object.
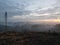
(30, 26)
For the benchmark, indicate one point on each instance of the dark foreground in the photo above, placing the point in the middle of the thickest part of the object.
(29, 38)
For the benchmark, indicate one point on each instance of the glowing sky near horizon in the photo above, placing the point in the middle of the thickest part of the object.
(30, 10)
(47, 20)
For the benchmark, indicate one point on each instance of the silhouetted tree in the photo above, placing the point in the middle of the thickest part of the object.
(57, 27)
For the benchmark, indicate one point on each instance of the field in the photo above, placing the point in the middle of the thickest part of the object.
(29, 38)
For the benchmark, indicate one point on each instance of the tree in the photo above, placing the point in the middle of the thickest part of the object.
(57, 27)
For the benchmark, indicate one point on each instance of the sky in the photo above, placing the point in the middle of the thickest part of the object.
(30, 10)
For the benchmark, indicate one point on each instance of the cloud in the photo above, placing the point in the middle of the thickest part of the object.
(41, 15)
(24, 10)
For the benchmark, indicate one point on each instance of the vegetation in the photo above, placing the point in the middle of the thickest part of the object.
(29, 38)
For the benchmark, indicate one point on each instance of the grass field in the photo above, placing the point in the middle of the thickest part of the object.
(29, 38)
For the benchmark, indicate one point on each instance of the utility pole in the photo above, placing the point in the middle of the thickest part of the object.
(5, 21)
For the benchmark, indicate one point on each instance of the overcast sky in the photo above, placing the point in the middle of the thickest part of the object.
(26, 10)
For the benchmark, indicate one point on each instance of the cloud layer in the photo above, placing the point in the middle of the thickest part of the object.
(25, 10)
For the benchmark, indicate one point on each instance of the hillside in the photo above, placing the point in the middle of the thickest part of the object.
(29, 38)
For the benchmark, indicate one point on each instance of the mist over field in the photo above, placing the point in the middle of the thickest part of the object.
(31, 26)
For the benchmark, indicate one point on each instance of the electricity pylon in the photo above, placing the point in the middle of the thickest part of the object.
(5, 21)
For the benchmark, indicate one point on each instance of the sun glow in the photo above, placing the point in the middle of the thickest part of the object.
(47, 20)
